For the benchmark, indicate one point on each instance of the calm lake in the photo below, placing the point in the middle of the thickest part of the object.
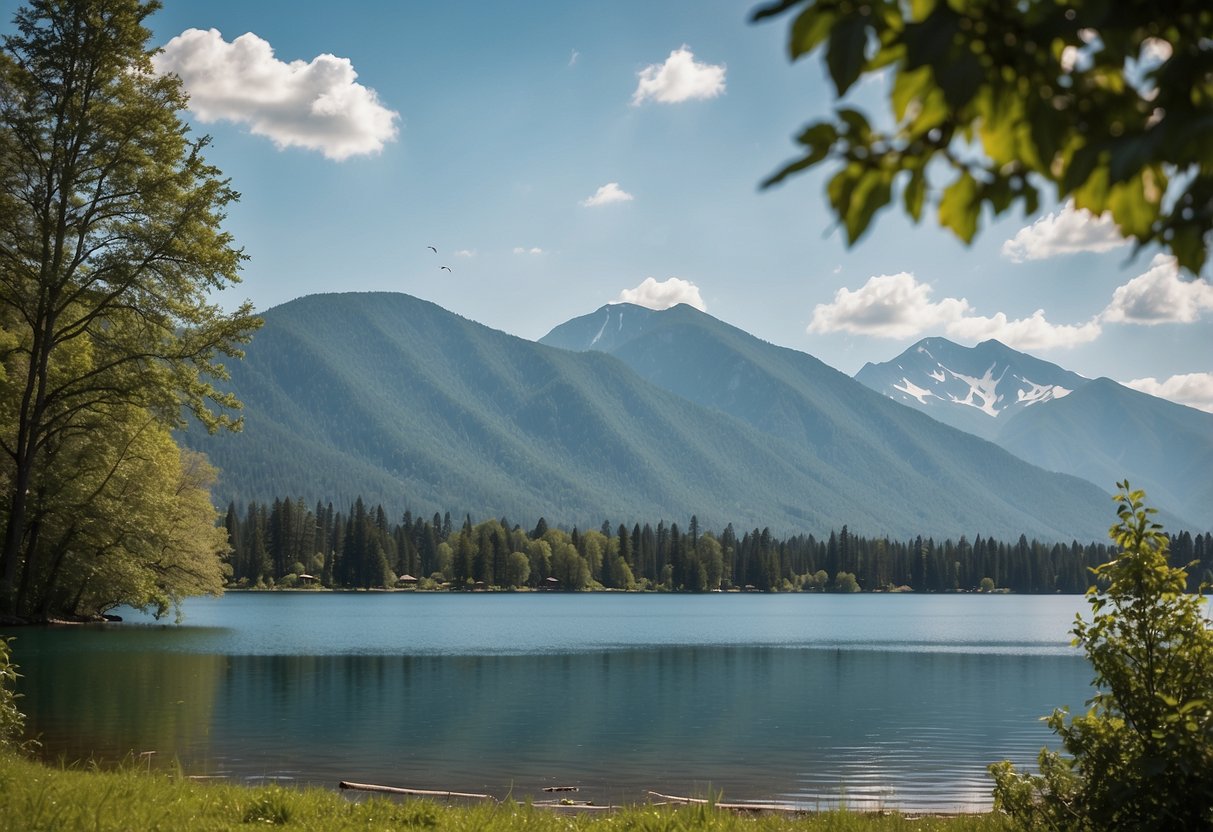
(872, 700)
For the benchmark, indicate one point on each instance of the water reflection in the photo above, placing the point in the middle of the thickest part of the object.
(807, 726)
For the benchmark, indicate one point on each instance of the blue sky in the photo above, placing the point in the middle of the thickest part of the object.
(487, 130)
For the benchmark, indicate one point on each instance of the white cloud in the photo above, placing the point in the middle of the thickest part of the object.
(573, 56)
(1193, 389)
(887, 306)
(663, 295)
(1031, 333)
(680, 78)
(525, 250)
(316, 105)
(898, 306)
(1068, 231)
(466, 252)
(608, 193)
(1160, 296)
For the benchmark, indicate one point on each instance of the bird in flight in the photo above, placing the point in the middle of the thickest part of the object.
(431, 248)
(448, 268)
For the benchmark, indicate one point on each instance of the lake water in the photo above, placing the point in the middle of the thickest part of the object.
(812, 700)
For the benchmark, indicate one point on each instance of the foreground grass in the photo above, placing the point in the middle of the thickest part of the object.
(37, 797)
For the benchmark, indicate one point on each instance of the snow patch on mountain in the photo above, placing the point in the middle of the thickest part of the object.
(983, 392)
(602, 329)
(914, 390)
(1037, 393)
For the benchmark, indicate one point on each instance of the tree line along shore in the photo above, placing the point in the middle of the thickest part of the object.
(287, 544)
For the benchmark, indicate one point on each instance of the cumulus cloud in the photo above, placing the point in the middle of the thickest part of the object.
(466, 252)
(1160, 296)
(899, 306)
(665, 294)
(1068, 231)
(1193, 389)
(887, 306)
(680, 78)
(1031, 333)
(608, 193)
(525, 250)
(316, 105)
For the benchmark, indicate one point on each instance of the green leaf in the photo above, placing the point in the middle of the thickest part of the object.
(927, 41)
(1133, 213)
(872, 192)
(787, 170)
(1082, 164)
(915, 193)
(859, 131)
(810, 28)
(845, 54)
(959, 208)
(909, 85)
(1188, 247)
(959, 79)
(773, 9)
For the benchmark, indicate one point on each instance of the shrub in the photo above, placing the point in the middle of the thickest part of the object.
(12, 721)
(1141, 757)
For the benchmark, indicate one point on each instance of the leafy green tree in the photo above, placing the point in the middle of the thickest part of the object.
(570, 568)
(1108, 104)
(1141, 756)
(12, 721)
(517, 569)
(621, 574)
(110, 246)
(845, 582)
(987, 585)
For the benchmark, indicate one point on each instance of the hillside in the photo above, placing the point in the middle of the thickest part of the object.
(407, 404)
(870, 445)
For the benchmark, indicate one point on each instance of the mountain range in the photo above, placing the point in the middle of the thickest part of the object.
(626, 414)
(1093, 428)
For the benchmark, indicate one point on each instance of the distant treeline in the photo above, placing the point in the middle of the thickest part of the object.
(286, 543)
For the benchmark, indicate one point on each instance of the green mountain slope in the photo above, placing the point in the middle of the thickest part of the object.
(400, 401)
(1106, 432)
(872, 445)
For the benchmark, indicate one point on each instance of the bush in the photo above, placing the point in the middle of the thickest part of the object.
(1141, 757)
(12, 721)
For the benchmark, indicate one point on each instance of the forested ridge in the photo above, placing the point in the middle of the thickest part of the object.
(273, 544)
(384, 395)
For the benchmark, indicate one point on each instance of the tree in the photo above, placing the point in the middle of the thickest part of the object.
(1140, 757)
(110, 245)
(1108, 104)
(517, 569)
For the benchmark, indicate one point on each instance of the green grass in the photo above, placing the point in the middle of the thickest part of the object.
(37, 797)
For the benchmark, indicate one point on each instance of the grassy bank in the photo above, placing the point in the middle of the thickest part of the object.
(37, 797)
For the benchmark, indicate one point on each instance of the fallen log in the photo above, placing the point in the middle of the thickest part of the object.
(735, 807)
(371, 787)
(561, 788)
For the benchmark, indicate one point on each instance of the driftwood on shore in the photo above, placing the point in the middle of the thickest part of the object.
(371, 787)
(735, 807)
(572, 805)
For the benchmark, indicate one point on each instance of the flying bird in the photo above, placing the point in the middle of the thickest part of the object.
(448, 268)
(431, 248)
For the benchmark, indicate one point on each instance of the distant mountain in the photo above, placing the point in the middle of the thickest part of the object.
(404, 403)
(1059, 420)
(872, 449)
(1106, 432)
(976, 389)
